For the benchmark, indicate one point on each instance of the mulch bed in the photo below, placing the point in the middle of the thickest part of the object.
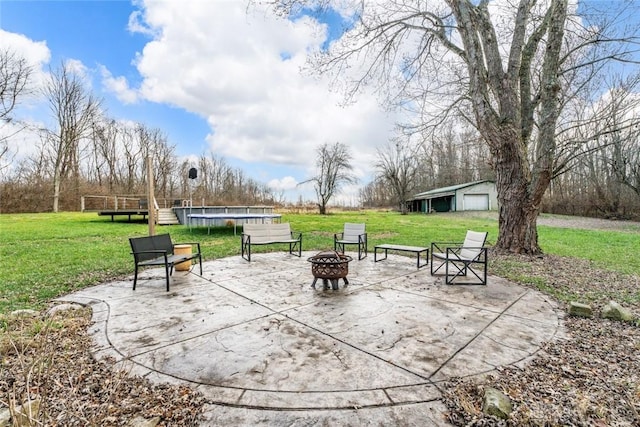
(50, 359)
(592, 378)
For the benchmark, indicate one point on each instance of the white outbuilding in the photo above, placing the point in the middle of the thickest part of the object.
(471, 196)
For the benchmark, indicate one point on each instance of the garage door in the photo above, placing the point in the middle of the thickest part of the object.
(476, 202)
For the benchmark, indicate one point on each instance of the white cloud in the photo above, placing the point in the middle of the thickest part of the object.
(136, 24)
(240, 69)
(283, 184)
(22, 140)
(118, 86)
(35, 53)
(77, 67)
(22, 137)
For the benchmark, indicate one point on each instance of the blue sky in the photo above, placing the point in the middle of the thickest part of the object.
(214, 76)
(95, 32)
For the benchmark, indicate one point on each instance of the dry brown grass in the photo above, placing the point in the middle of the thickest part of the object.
(48, 360)
(592, 378)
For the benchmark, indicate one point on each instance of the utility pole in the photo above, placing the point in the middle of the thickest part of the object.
(151, 205)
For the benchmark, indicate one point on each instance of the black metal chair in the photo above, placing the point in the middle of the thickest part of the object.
(353, 234)
(466, 260)
(159, 251)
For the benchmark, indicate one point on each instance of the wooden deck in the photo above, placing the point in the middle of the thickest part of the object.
(124, 212)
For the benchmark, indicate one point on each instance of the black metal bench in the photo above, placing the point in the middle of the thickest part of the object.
(159, 250)
(267, 234)
(401, 248)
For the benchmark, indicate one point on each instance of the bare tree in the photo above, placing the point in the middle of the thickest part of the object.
(15, 74)
(75, 110)
(510, 68)
(153, 142)
(91, 151)
(130, 169)
(398, 166)
(375, 194)
(106, 153)
(624, 139)
(625, 160)
(596, 176)
(334, 169)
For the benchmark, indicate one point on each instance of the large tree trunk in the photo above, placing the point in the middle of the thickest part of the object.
(75, 110)
(518, 213)
(518, 205)
(56, 192)
(57, 173)
(518, 231)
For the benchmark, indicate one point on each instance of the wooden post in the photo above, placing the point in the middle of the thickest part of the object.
(150, 199)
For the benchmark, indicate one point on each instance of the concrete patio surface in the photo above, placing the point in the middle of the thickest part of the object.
(267, 349)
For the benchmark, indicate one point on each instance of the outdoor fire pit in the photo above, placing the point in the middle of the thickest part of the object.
(329, 266)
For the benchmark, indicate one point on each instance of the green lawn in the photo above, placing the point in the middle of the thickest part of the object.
(43, 256)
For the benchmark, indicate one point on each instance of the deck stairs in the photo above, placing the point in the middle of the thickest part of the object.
(166, 216)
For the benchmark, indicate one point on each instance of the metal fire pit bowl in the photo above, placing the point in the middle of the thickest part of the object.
(329, 266)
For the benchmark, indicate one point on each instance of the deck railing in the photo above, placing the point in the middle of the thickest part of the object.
(124, 202)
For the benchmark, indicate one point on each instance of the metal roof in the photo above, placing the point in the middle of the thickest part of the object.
(446, 191)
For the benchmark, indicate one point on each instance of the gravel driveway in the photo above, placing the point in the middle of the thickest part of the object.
(566, 221)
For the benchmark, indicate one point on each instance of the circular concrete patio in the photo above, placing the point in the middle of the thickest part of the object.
(267, 349)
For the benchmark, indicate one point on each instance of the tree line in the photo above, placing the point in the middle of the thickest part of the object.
(88, 153)
(599, 177)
